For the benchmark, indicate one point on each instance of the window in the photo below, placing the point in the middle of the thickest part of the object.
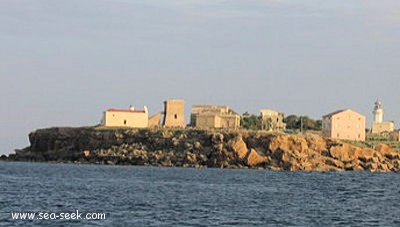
(124, 122)
(176, 116)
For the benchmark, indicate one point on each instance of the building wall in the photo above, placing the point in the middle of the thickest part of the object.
(217, 121)
(326, 127)
(210, 116)
(207, 121)
(379, 127)
(203, 116)
(347, 124)
(133, 119)
(273, 120)
(154, 120)
(174, 114)
(230, 121)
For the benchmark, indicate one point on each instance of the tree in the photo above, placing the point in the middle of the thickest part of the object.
(307, 123)
(318, 125)
(292, 122)
(302, 123)
(251, 122)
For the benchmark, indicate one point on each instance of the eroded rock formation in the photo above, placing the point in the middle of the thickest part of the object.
(201, 149)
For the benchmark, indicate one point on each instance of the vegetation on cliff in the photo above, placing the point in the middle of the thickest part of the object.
(201, 149)
(293, 122)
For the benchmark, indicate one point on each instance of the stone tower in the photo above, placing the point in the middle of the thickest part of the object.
(174, 116)
(378, 112)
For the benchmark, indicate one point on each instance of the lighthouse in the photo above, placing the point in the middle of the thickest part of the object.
(378, 112)
(378, 125)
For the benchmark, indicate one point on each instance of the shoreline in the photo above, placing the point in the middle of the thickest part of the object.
(197, 148)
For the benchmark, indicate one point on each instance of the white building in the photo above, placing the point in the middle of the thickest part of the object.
(126, 118)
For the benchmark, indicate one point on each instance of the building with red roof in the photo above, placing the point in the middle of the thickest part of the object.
(126, 118)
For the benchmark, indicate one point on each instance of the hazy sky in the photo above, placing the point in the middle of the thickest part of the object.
(62, 63)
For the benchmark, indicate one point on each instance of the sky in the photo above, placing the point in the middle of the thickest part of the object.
(62, 63)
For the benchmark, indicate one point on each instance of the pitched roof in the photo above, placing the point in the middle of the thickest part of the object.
(338, 111)
(333, 113)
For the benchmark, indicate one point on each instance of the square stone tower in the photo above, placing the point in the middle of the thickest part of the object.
(174, 116)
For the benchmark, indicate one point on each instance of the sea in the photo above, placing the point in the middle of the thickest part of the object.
(64, 194)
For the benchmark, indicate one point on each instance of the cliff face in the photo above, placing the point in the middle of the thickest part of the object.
(197, 148)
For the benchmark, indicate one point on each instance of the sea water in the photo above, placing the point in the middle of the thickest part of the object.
(154, 196)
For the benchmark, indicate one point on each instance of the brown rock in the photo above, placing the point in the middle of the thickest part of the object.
(282, 156)
(239, 147)
(317, 143)
(288, 143)
(190, 157)
(374, 160)
(217, 137)
(337, 152)
(324, 167)
(197, 145)
(333, 162)
(396, 164)
(383, 148)
(364, 154)
(383, 167)
(387, 151)
(347, 153)
(255, 159)
(390, 166)
(86, 153)
(373, 167)
(353, 165)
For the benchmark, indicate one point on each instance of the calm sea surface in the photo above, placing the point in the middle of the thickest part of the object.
(152, 196)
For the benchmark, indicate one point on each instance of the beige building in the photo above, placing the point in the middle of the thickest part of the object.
(382, 127)
(344, 124)
(272, 120)
(126, 118)
(378, 125)
(210, 116)
(174, 114)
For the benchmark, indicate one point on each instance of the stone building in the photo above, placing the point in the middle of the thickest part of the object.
(272, 120)
(174, 114)
(154, 121)
(210, 116)
(126, 118)
(344, 124)
(378, 125)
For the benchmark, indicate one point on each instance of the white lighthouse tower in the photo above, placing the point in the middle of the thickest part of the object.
(378, 112)
(378, 125)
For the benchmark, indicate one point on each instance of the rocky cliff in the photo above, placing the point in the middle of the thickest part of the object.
(198, 148)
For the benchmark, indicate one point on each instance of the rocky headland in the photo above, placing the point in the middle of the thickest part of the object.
(202, 149)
